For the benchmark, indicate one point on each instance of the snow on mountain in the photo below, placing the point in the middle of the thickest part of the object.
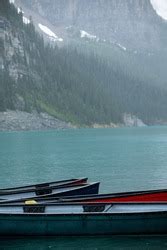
(87, 35)
(19, 10)
(160, 6)
(26, 20)
(51, 34)
(121, 46)
(11, 1)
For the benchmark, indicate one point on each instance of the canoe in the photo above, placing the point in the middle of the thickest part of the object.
(134, 196)
(137, 196)
(45, 185)
(83, 219)
(57, 191)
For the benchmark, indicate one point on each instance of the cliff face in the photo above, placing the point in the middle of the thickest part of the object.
(16, 62)
(79, 11)
(13, 63)
(131, 23)
(11, 45)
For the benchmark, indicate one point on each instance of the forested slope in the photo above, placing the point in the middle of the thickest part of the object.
(68, 84)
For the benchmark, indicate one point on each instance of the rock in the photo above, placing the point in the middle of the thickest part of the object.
(111, 125)
(20, 120)
(132, 121)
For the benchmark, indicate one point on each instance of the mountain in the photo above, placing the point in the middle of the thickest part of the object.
(134, 24)
(76, 81)
(125, 32)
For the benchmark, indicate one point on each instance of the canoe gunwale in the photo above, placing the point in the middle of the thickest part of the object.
(66, 204)
(31, 188)
(43, 183)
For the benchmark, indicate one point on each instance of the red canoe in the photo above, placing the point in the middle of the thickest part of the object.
(142, 196)
(136, 196)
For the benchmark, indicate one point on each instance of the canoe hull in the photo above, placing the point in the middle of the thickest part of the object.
(85, 189)
(144, 196)
(79, 224)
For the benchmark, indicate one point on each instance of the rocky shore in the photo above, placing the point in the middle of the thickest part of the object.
(111, 125)
(20, 121)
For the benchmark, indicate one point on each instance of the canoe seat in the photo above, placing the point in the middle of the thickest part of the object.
(43, 191)
(30, 202)
(34, 209)
(45, 185)
(90, 208)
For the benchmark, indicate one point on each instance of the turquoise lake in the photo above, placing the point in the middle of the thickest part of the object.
(122, 159)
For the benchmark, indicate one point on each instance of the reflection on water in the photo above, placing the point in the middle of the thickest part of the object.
(92, 243)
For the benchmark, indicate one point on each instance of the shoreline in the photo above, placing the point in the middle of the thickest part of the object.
(23, 121)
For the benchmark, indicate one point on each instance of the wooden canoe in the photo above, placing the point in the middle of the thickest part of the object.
(83, 219)
(56, 191)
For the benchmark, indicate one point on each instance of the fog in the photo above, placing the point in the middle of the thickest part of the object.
(160, 7)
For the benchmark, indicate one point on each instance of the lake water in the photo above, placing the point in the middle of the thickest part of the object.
(122, 159)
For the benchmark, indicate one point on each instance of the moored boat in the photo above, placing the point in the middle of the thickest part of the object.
(83, 219)
(51, 192)
(45, 185)
(134, 196)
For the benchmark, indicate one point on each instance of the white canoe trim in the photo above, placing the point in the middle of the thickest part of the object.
(79, 209)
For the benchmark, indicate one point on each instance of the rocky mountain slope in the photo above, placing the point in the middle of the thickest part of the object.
(85, 81)
(11, 120)
(126, 33)
(133, 24)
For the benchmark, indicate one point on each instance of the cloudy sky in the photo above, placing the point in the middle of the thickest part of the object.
(161, 7)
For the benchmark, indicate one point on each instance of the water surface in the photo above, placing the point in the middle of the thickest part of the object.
(122, 159)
